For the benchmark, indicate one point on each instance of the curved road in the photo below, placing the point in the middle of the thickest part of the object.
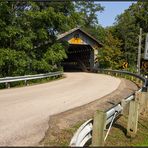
(25, 111)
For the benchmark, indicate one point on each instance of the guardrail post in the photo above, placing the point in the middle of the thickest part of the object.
(143, 102)
(116, 74)
(125, 106)
(133, 116)
(26, 82)
(7, 85)
(99, 123)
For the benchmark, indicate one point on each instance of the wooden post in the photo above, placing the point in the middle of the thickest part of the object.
(99, 123)
(116, 74)
(26, 83)
(125, 106)
(133, 116)
(143, 102)
(7, 85)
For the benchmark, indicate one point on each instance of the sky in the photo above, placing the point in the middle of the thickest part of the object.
(111, 10)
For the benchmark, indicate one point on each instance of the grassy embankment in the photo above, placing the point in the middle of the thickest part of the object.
(117, 135)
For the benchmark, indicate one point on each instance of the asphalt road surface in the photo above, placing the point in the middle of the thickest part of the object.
(25, 111)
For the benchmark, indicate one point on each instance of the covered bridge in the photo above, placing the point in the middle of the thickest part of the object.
(82, 51)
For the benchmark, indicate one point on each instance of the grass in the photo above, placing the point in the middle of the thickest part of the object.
(143, 143)
(116, 137)
(60, 137)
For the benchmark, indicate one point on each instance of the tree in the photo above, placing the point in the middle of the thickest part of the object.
(89, 10)
(13, 62)
(66, 8)
(28, 32)
(98, 32)
(127, 28)
(110, 55)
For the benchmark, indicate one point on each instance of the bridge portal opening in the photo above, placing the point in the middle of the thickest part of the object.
(82, 52)
(80, 58)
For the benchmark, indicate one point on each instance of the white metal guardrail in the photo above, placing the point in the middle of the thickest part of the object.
(145, 81)
(29, 77)
(84, 134)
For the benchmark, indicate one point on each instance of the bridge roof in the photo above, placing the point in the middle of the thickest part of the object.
(64, 35)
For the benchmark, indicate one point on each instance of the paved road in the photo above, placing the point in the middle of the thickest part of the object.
(25, 111)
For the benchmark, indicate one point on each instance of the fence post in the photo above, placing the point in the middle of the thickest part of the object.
(7, 85)
(116, 74)
(99, 123)
(26, 84)
(133, 116)
(143, 102)
(125, 106)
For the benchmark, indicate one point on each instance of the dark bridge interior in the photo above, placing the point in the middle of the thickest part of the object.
(78, 58)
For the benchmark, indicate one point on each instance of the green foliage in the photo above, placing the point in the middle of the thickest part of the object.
(12, 62)
(89, 11)
(110, 55)
(98, 32)
(55, 54)
(127, 29)
(28, 36)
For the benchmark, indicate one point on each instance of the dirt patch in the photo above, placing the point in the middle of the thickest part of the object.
(63, 125)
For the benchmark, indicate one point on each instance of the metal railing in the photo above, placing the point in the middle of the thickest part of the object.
(84, 134)
(144, 80)
(8, 80)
